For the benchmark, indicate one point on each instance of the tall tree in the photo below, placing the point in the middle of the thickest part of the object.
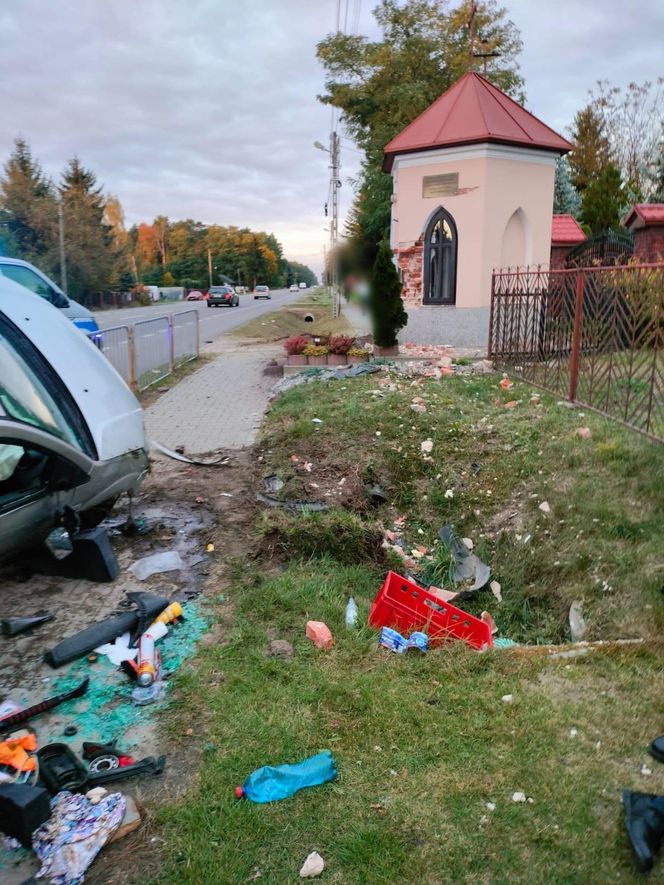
(603, 200)
(380, 86)
(123, 276)
(632, 120)
(591, 147)
(88, 239)
(566, 199)
(388, 314)
(29, 228)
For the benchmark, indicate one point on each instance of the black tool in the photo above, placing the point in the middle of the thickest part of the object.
(23, 715)
(13, 626)
(149, 765)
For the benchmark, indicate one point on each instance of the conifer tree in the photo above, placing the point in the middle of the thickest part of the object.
(388, 314)
(88, 239)
(29, 210)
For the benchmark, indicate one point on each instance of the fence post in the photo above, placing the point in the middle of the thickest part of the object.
(493, 295)
(171, 343)
(131, 358)
(576, 335)
(198, 334)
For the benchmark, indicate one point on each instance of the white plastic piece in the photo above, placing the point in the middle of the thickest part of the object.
(166, 561)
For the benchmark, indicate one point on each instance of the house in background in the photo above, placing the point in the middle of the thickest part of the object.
(473, 180)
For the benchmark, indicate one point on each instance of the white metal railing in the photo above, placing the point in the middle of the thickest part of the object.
(150, 349)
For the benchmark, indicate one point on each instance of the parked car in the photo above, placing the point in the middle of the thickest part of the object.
(29, 276)
(196, 296)
(222, 296)
(71, 432)
(294, 288)
(262, 292)
(303, 286)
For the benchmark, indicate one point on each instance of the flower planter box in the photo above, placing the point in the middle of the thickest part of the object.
(318, 360)
(337, 359)
(297, 359)
(356, 360)
(386, 351)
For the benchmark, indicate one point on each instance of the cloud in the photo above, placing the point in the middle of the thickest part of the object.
(207, 109)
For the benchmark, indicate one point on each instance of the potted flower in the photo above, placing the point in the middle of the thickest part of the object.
(339, 347)
(316, 354)
(295, 348)
(357, 355)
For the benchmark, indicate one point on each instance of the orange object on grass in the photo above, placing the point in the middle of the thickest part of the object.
(506, 384)
(319, 634)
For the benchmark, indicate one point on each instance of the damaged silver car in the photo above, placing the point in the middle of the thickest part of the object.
(71, 432)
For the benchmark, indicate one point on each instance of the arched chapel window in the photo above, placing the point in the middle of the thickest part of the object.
(440, 258)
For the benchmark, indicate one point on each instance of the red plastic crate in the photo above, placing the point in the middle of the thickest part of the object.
(406, 606)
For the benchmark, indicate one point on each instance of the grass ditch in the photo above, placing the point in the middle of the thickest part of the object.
(288, 321)
(429, 755)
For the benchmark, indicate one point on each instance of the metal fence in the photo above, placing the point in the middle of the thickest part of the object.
(593, 335)
(150, 350)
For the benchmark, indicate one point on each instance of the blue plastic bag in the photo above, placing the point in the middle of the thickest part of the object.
(273, 782)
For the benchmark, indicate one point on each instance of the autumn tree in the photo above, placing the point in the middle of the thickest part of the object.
(88, 239)
(591, 147)
(381, 85)
(632, 122)
(123, 277)
(29, 210)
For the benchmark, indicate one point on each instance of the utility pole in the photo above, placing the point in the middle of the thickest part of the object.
(63, 263)
(335, 184)
(210, 265)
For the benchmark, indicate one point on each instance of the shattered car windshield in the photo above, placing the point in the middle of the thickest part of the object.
(24, 398)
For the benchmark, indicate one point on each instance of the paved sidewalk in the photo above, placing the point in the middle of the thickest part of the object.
(219, 406)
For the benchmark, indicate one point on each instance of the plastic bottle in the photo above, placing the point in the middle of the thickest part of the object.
(351, 613)
(272, 782)
(172, 613)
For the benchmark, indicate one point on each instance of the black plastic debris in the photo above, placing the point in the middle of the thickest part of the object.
(61, 769)
(136, 622)
(23, 809)
(14, 626)
(466, 566)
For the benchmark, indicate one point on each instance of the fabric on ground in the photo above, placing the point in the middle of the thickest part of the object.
(77, 830)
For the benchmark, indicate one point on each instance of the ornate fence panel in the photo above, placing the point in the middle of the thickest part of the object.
(593, 335)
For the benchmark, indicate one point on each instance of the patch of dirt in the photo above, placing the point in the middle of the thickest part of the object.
(512, 518)
(187, 508)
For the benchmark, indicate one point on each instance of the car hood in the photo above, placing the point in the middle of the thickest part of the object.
(111, 411)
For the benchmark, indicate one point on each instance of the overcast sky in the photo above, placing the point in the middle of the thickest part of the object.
(206, 109)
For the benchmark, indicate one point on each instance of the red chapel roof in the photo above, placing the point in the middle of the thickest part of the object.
(472, 111)
(566, 231)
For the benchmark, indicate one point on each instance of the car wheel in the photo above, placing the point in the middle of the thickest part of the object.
(209, 305)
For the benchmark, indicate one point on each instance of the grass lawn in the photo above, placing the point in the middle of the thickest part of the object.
(428, 754)
(290, 320)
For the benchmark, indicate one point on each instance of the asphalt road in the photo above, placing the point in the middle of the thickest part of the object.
(214, 321)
